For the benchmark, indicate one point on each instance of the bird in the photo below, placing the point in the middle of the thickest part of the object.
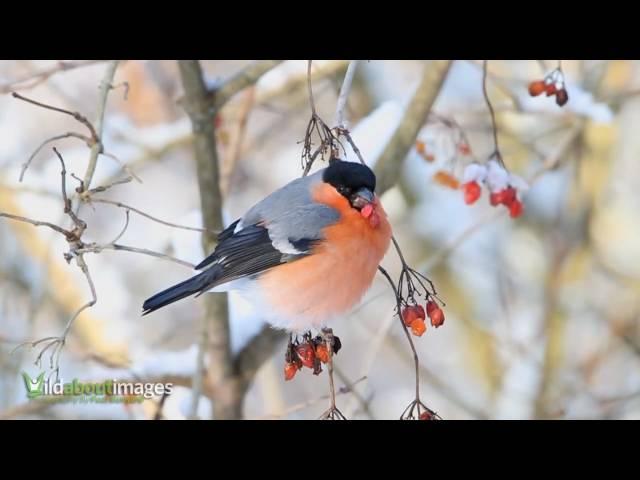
(303, 256)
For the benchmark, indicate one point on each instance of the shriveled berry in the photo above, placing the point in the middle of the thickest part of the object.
(431, 306)
(411, 313)
(322, 352)
(290, 370)
(427, 415)
(550, 89)
(562, 97)
(306, 353)
(437, 317)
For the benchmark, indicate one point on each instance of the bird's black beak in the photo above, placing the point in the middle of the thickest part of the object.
(362, 197)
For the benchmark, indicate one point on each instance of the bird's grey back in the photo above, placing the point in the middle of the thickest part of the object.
(290, 213)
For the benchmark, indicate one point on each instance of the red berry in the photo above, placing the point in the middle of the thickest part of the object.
(426, 415)
(536, 88)
(472, 192)
(290, 370)
(437, 317)
(322, 352)
(496, 198)
(306, 354)
(409, 314)
(431, 306)
(419, 311)
(418, 327)
(550, 89)
(509, 196)
(516, 208)
(562, 97)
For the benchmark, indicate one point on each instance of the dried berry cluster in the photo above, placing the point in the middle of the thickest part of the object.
(310, 352)
(504, 188)
(552, 84)
(413, 317)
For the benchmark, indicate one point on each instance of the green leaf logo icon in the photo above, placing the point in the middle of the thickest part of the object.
(34, 387)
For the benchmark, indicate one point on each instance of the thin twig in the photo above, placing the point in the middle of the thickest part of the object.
(96, 248)
(312, 103)
(42, 75)
(301, 406)
(494, 127)
(146, 215)
(79, 117)
(36, 223)
(26, 165)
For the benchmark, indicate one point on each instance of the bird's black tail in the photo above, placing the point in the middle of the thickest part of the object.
(198, 284)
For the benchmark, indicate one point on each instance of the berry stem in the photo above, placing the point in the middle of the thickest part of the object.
(404, 327)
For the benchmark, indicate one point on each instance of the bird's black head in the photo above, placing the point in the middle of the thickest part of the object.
(354, 181)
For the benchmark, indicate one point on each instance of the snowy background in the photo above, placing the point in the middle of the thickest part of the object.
(542, 315)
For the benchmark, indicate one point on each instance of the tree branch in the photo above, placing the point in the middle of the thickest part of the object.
(97, 148)
(227, 400)
(388, 165)
(241, 80)
(344, 94)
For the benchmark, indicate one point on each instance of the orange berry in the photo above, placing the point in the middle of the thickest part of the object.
(420, 147)
(536, 88)
(290, 370)
(446, 179)
(322, 352)
(418, 327)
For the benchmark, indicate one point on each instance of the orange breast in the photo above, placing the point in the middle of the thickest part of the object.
(312, 291)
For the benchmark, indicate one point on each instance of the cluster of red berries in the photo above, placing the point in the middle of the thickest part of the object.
(552, 84)
(414, 316)
(311, 353)
(504, 187)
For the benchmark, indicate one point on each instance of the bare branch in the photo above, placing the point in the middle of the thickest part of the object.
(79, 117)
(388, 165)
(494, 126)
(36, 223)
(41, 76)
(97, 148)
(96, 248)
(227, 398)
(124, 166)
(146, 215)
(344, 94)
(241, 80)
(26, 165)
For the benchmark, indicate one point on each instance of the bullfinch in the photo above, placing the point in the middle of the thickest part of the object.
(304, 255)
